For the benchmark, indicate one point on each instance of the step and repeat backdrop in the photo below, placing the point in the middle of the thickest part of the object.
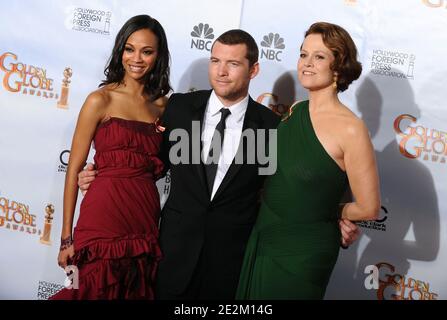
(53, 53)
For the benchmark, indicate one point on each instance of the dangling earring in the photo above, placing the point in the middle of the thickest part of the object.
(334, 84)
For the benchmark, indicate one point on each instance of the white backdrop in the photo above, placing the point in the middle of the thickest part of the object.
(399, 96)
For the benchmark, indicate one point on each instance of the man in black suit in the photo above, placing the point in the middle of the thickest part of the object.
(208, 216)
(213, 200)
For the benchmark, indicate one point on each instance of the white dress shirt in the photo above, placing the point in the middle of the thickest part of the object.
(232, 135)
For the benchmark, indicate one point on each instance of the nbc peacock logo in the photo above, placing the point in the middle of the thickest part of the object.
(202, 35)
(272, 45)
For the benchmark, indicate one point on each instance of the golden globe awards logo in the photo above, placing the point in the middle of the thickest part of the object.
(16, 216)
(202, 35)
(435, 3)
(395, 286)
(31, 80)
(276, 107)
(27, 79)
(418, 141)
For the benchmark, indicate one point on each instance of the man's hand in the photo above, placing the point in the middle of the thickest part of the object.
(350, 232)
(85, 177)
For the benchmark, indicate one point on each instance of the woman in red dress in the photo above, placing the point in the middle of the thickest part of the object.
(115, 242)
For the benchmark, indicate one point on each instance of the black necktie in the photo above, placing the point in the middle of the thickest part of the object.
(217, 140)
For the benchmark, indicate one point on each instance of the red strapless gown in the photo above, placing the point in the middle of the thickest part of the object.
(116, 236)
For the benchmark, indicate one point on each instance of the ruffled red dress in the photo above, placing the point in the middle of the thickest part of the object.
(116, 236)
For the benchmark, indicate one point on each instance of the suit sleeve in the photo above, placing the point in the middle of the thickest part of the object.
(166, 120)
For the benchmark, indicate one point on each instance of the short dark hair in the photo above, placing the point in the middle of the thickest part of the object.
(238, 36)
(344, 50)
(156, 82)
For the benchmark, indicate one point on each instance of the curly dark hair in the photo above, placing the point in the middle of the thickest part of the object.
(156, 82)
(344, 50)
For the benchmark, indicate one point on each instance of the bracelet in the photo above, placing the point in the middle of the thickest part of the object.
(65, 243)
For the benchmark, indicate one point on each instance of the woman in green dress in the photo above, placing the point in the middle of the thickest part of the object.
(322, 148)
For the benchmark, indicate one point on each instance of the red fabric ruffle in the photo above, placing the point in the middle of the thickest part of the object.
(120, 268)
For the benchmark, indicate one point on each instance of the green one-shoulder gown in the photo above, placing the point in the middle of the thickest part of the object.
(295, 242)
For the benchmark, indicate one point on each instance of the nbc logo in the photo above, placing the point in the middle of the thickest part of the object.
(273, 44)
(201, 37)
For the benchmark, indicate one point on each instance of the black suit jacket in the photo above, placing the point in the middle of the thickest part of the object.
(193, 227)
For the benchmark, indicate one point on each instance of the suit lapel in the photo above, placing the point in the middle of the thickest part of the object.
(252, 120)
(198, 114)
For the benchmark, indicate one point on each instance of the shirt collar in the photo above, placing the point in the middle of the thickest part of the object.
(237, 109)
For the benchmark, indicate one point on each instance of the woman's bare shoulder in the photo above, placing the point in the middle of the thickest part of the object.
(98, 102)
(350, 123)
(160, 104)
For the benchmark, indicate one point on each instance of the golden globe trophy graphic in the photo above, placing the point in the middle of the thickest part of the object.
(45, 239)
(63, 102)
